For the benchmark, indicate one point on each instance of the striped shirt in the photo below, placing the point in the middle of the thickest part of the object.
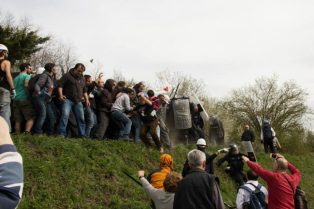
(11, 177)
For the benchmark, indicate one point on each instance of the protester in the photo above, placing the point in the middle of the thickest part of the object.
(136, 121)
(149, 122)
(244, 196)
(155, 100)
(157, 177)
(7, 90)
(23, 109)
(119, 111)
(72, 89)
(139, 88)
(11, 170)
(162, 116)
(267, 137)
(163, 199)
(198, 189)
(104, 102)
(248, 134)
(42, 95)
(280, 194)
(235, 164)
(209, 168)
(89, 112)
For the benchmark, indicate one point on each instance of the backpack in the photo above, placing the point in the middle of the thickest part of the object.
(31, 84)
(267, 133)
(300, 200)
(257, 198)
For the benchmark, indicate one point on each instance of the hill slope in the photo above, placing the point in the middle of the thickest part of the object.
(80, 173)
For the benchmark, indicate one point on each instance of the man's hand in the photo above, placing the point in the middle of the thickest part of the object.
(245, 159)
(279, 156)
(87, 103)
(62, 98)
(140, 173)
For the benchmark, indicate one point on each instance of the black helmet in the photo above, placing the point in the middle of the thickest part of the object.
(233, 148)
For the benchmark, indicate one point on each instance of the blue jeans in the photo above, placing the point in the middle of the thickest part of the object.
(78, 111)
(91, 120)
(136, 124)
(123, 122)
(5, 109)
(40, 108)
(5, 112)
(52, 118)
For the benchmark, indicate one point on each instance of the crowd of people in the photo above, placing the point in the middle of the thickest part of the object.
(198, 187)
(77, 106)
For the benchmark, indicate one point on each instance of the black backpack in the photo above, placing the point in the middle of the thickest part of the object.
(257, 198)
(267, 133)
(300, 200)
(31, 84)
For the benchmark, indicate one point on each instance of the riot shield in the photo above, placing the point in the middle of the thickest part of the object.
(247, 145)
(182, 114)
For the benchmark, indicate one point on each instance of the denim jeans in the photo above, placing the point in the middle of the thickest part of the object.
(123, 122)
(51, 118)
(5, 112)
(136, 124)
(40, 108)
(78, 111)
(5, 109)
(90, 120)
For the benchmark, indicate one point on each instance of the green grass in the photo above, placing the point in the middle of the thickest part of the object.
(80, 173)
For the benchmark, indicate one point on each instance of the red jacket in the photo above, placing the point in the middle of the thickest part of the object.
(280, 195)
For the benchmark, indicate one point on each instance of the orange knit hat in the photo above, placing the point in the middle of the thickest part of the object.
(166, 160)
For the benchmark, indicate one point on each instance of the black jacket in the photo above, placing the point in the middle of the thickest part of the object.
(248, 135)
(234, 161)
(198, 190)
(73, 86)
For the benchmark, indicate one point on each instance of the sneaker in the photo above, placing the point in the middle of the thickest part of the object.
(161, 150)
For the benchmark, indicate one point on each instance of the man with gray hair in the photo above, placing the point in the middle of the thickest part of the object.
(198, 189)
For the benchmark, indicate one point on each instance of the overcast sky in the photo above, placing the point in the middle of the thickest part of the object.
(227, 43)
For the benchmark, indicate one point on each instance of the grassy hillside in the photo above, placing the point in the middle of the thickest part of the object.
(80, 173)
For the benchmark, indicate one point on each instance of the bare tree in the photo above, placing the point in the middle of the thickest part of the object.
(188, 85)
(283, 105)
(55, 51)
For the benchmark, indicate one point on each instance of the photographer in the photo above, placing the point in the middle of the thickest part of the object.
(278, 181)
